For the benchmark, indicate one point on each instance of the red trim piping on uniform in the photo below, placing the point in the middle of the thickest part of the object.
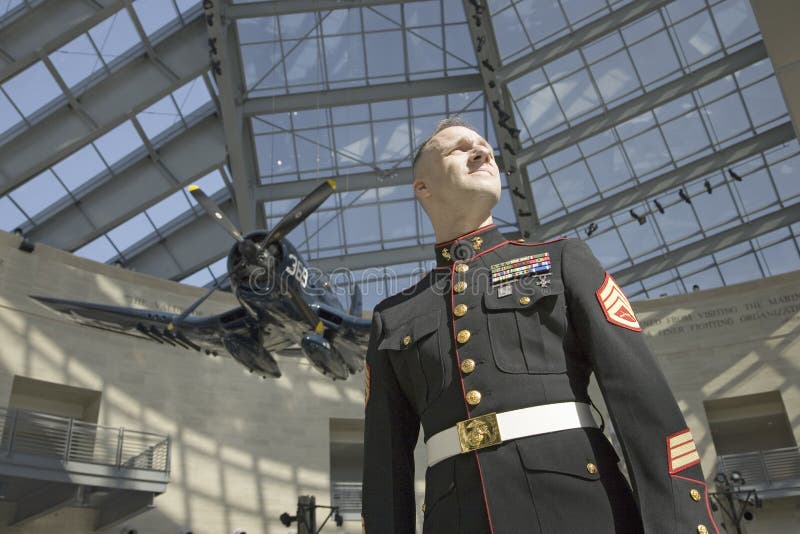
(459, 238)
(708, 504)
(464, 391)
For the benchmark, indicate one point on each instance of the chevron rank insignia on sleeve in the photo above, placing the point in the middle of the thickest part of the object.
(615, 305)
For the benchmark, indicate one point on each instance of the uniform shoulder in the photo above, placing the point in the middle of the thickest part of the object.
(556, 243)
(405, 297)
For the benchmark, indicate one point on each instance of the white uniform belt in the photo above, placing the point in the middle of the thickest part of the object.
(494, 428)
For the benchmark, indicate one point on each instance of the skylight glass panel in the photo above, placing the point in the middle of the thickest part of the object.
(154, 14)
(115, 36)
(118, 143)
(7, 6)
(9, 116)
(185, 6)
(191, 96)
(79, 167)
(32, 89)
(38, 193)
(211, 184)
(200, 278)
(735, 21)
(168, 209)
(100, 250)
(130, 232)
(159, 117)
(76, 60)
(10, 216)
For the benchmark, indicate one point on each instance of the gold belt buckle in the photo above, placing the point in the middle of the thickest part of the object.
(478, 432)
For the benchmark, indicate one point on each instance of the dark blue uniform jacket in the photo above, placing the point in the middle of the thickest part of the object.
(540, 318)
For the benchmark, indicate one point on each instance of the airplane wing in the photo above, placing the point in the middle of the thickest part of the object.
(200, 334)
(233, 332)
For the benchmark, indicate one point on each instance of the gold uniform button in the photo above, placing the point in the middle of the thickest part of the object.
(407, 340)
(467, 366)
(701, 529)
(459, 287)
(463, 336)
(473, 397)
(462, 268)
(591, 468)
(525, 300)
(695, 495)
(460, 310)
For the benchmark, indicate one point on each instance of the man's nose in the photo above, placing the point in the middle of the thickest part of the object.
(481, 153)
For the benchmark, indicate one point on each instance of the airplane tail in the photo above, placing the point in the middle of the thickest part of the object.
(356, 301)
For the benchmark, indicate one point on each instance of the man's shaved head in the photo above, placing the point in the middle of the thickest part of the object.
(449, 122)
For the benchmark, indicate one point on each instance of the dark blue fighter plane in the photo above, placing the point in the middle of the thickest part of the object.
(283, 304)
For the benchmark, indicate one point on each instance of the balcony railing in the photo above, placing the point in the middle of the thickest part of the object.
(347, 496)
(774, 472)
(23, 431)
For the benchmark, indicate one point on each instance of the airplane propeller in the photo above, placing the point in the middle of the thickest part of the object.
(252, 251)
(303, 209)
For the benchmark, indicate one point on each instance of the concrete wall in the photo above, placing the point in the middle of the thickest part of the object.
(244, 449)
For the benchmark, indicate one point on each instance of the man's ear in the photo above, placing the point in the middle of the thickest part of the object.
(421, 189)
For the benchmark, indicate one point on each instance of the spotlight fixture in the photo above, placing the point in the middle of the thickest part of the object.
(734, 175)
(737, 478)
(659, 207)
(592, 228)
(641, 219)
(707, 184)
(26, 245)
(287, 519)
(685, 197)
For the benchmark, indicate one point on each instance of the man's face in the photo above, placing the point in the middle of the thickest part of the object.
(458, 166)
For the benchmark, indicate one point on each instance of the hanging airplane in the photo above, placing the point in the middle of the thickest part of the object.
(283, 303)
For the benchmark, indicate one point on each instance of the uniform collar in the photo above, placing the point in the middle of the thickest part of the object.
(468, 245)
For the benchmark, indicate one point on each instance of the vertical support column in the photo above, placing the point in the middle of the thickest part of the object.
(778, 20)
(226, 67)
(502, 111)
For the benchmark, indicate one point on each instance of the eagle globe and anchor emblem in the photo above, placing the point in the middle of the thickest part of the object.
(479, 432)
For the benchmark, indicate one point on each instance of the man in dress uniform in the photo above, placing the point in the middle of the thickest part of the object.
(491, 353)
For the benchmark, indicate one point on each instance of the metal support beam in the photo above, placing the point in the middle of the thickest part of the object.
(49, 498)
(286, 7)
(580, 37)
(226, 66)
(675, 178)
(646, 102)
(667, 181)
(344, 183)
(121, 506)
(127, 91)
(501, 109)
(767, 223)
(111, 199)
(362, 95)
(47, 27)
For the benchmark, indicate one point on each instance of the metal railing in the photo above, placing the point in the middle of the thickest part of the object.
(765, 469)
(347, 496)
(24, 431)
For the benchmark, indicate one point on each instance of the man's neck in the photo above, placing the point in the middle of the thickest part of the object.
(451, 229)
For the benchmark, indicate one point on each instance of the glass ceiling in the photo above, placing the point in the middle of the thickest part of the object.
(330, 50)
